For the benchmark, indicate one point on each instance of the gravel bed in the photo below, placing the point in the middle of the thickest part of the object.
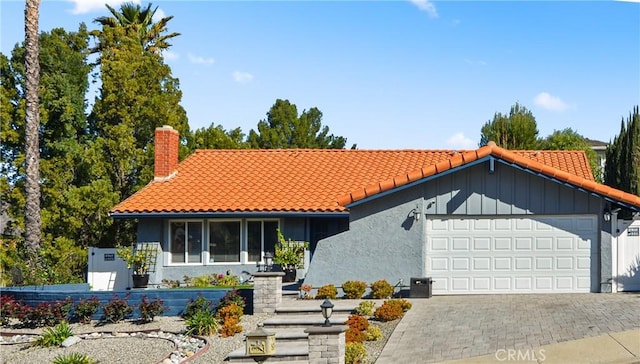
(152, 350)
(374, 348)
(131, 349)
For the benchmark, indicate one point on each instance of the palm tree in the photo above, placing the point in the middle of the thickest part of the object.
(33, 222)
(138, 23)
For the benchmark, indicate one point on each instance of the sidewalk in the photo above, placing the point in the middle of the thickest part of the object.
(616, 348)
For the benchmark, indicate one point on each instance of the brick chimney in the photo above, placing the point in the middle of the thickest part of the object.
(166, 154)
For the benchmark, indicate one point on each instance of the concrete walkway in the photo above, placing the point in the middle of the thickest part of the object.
(570, 328)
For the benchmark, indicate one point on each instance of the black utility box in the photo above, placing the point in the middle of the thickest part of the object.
(420, 287)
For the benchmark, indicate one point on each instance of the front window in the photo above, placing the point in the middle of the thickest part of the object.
(224, 241)
(261, 236)
(186, 242)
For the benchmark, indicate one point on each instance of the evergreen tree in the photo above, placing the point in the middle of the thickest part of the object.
(137, 95)
(284, 128)
(216, 137)
(517, 131)
(569, 139)
(622, 168)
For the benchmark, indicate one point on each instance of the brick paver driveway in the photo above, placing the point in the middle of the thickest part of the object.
(453, 327)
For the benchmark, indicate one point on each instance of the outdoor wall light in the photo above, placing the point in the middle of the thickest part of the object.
(416, 212)
(327, 310)
(268, 261)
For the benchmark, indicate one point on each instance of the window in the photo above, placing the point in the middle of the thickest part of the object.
(224, 241)
(186, 241)
(261, 236)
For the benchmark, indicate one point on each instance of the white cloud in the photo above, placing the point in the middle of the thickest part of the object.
(242, 77)
(426, 6)
(550, 102)
(89, 6)
(159, 14)
(458, 141)
(475, 63)
(200, 60)
(170, 56)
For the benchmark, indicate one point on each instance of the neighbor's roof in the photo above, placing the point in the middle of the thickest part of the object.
(322, 180)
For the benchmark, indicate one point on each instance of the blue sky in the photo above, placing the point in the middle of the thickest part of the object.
(392, 74)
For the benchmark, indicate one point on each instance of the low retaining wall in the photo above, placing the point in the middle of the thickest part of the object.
(174, 300)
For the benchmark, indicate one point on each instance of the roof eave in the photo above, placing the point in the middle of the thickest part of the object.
(209, 214)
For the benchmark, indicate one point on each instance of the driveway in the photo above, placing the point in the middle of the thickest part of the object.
(454, 327)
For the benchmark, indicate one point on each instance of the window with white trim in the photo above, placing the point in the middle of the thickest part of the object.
(224, 241)
(262, 236)
(185, 241)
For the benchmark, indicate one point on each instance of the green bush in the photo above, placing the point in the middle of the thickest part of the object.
(354, 289)
(373, 333)
(327, 291)
(54, 336)
(197, 305)
(355, 353)
(365, 308)
(73, 358)
(84, 310)
(381, 289)
(231, 297)
(203, 323)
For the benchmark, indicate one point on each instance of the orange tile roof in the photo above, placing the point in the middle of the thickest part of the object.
(322, 180)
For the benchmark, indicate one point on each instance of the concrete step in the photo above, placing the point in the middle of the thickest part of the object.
(288, 308)
(286, 352)
(288, 334)
(302, 321)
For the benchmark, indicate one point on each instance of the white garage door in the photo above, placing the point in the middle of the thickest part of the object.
(477, 255)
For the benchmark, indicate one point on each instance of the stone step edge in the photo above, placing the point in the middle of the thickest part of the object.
(289, 310)
(295, 349)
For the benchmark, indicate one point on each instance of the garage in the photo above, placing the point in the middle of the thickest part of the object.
(512, 254)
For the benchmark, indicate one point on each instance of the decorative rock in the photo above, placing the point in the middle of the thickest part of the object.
(71, 340)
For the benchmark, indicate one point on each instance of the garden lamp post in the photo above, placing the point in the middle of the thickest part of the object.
(268, 261)
(327, 310)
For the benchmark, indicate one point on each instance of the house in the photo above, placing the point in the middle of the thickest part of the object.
(481, 221)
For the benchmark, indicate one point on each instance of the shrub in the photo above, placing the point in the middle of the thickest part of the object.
(54, 336)
(73, 358)
(200, 304)
(388, 312)
(373, 333)
(231, 297)
(84, 310)
(365, 308)
(231, 310)
(305, 291)
(327, 291)
(230, 326)
(228, 279)
(381, 289)
(46, 313)
(401, 302)
(201, 281)
(202, 322)
(355, 353)
(9, 308)
(358, 325)
(150, 309)
(117, 309)
(354, 289)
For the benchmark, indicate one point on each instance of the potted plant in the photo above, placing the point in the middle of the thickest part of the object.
(289, 255)
(139, 260)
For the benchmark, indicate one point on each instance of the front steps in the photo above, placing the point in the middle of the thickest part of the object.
(292, 317)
